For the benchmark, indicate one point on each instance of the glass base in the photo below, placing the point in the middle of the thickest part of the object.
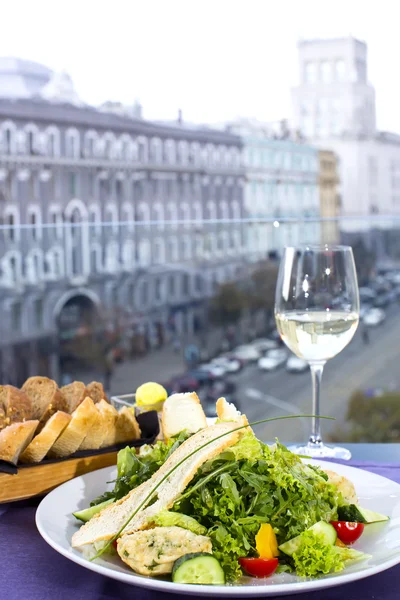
(321, 451)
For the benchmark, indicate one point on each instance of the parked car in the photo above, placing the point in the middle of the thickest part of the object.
(273, 360)
(374, 317)
(182, 384)
(230, 364)
(367, 294)
(246, 353)
(264, 344)
(275, 336)
(382, 300)
(220, 388)
(296, 365)
(216, 370)
(202, 376)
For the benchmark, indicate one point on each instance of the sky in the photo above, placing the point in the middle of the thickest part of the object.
(213, 59)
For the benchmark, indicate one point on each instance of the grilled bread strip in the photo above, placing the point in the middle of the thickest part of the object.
(109, 521)
(180, 412)
(15, 438)
(43, 441)
(77, 429)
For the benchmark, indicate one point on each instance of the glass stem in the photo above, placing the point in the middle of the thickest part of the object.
(316, 377)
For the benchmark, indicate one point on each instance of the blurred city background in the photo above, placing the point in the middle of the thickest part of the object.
(156, 157)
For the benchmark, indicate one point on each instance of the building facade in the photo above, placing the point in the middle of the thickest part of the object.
(282, 190)
(108, 223)
(334, 108)
(329, 197)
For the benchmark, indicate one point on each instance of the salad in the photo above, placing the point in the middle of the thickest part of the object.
(207, 505)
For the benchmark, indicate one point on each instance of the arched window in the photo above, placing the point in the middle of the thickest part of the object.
(197, 212)
(159, 251)
(224, 210)
(55, 263)
(185, 214)
(126, 147)
(127, 216)
(143, 215)
(183, 152)
(111, 216)
(53, 141)
(94, 217)
(236, 210)
(199, 247)
(11, 219)
(211, 210)
(186, 248)
(158, 215)
(34, 266)
(170, 152)
(143, 154)
(72, 143)
(144, 258)
(156, 151)
(112, 258)
(35, 222)
(173, 250)
(172, 213)
(95, 259)
(194, 153)
(55, 218)
(90, 143)
(8, 137)
(109, 145)
(128, 255)
(31, 132)
(223, 242)
(12, 268)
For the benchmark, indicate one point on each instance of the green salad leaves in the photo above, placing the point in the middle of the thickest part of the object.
(133, 469)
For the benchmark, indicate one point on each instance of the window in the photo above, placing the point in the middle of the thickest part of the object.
(31, 142)
(16, 316)
(72, 184)
(183, 153)
(144, 293)
(38, 313)
(35, 222)
(119, 190)
(340, 70)
(186, 248)
(326, 71)
(72, 143)
(158, 212)
(144, 253)
(172, 286)
(159, 252)
(310, 72)
(142, 149)
(173, 249)
(90, 144)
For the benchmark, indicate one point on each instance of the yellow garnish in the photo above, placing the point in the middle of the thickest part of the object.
(266, 543)
(150, 393)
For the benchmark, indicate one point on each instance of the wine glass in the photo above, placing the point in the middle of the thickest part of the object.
(317, 312)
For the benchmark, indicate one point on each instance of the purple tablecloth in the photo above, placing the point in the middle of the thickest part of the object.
(31, 570)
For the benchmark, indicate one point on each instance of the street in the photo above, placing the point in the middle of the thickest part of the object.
(359, 366)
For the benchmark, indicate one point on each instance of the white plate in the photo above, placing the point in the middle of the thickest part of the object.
(382, 540)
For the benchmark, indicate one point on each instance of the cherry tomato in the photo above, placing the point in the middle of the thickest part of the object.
(115, 542)
(259, 567)
(348, 532)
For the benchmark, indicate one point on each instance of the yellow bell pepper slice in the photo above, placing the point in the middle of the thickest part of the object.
(266, 542)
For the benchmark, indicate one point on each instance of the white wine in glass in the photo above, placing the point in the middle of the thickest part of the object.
(317, 313)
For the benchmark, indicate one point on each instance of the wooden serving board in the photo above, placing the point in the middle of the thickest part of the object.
(40, 479)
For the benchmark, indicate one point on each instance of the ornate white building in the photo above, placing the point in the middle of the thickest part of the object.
(105, 216)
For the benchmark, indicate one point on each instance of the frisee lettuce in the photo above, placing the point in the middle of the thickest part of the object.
(252, 483)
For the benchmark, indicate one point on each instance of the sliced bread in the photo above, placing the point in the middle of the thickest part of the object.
(110, 416)
(127, 427)
(180, 412)
(74, 393)
(45, 396)
(111, 519)
(96, 391)
(15, 406)
(15, 438)
(77, 429)
(43, 441)
(96, 434)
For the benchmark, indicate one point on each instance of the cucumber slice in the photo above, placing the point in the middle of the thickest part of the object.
(357, 514)
(326, 530)
(87, 513)
(198, 567)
